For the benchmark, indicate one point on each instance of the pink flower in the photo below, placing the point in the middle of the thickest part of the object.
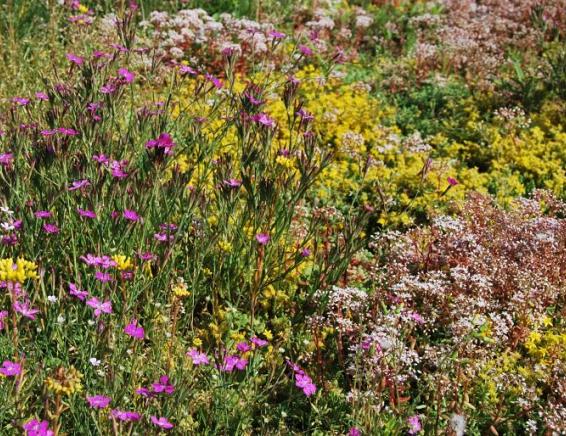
(258, 342)
(103, 277)
(161, 422)
(3, 316)
(74, 59)
(101, 159)
(79, 184)
(243, 347)
(90, 259)
(262, 238)
(264, 119)
(10, 369)
(163, 142)
(42, 214)
(25, 309)
(86, 213)
(144, 392)
(354, 431)
(414, 424)
(231, 362)
(98, 401)
(163, 386)
(99, 307)
(276, 35)
(76, 292)
(233, 183)
(197, 357)
(216, 82)
(122, 415)
(37, 428)
(128, 76)
(304, 382)
(131, 215)
(21, 101)
(68, 132)
(118, 169)
(133, 330)
(50, 228)
(452, 182)
(185, 69)
(41, 96)
(306, 51)
(6, 159)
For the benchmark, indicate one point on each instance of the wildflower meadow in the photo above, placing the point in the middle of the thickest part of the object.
(260, 217)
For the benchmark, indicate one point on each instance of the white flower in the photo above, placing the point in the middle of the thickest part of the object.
(458, 424)
(94, 361)
(60, 319)
(52, 299)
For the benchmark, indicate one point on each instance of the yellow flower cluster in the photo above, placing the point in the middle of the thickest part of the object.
(66, 381)
(17, 271)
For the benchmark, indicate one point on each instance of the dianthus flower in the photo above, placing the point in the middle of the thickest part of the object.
(127, 75)
(42, 214)
(414, 424)
(131, 215)
(76, 292)
(161, 422)
(98, 401)
(163, 142)
(163, 386)
(86, 213)
(24, 308)
(122, 415)
(50, 228)
(79, 184)
(258, 342)
(10, 369)
(197, 357)
(6, 159)
(264, 119)
(99, 306)
(134, 330)
(103, 277)
(74, 59)
(37, 428)
(233, 361)
(262, 238)
(3, 316)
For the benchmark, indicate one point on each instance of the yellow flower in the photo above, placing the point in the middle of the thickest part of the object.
(123, 262)
(66, 381)
(17, 271)
(180, 288)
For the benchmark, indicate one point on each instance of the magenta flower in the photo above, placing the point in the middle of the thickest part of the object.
(134, 330)
(305, 252)
(264, 119)
(50, 228)
(243, 347)
(262, 238)
(105, 262)
(10, 369)
(122, 415)
(185, 69)
(117, 168)
(215, 81)
(306, 51)
(233, 183)
(108, 88)
(163, 142)
(127, 75)
(101, 159)
(233, 361)
(37, 428)
(197, 357)
(6, 159)
(21, 101)
(304, 382)
(48, 132)
(79, 184)
(86, 213)
(103, 277)
(99, 306)
(76, 292)
(414, 424)
(41, 96)
(144, 392)
(90, 259)
(163, 386)
(67, 132)
(98, 401)
(25, 309)
(42, 214)
(452, 182)
(3, 316)
(354, 431)
(258, 342)
(131, 215)
(161, 422)
(276, 35)
(74, 59)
